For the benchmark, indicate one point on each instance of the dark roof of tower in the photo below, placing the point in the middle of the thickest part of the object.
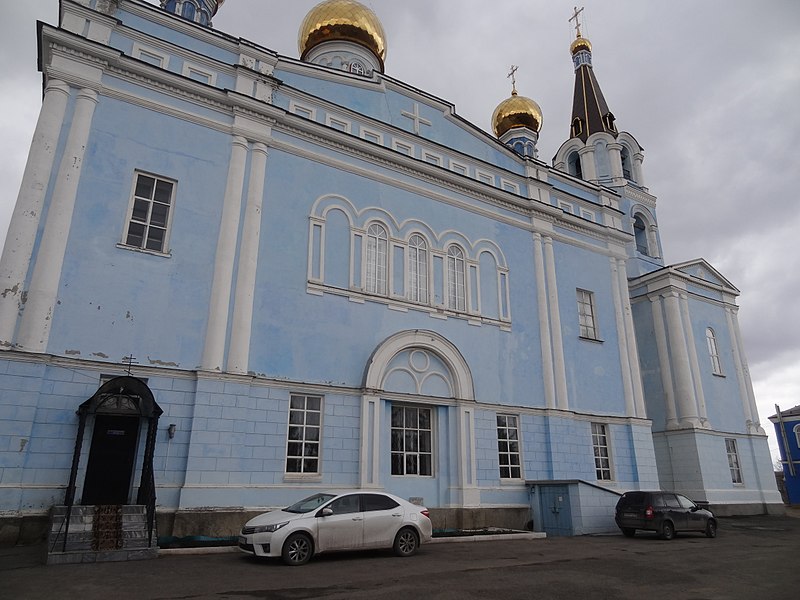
(590, 113)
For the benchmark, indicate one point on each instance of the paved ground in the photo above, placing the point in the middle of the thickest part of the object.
(754, 557)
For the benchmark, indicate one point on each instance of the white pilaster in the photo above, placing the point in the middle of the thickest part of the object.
(370, 440)
(742, 360)
(624, 357)
(544, 323)
(684, 387)
(21, 234)
(638, 159)
(37, 316)
(219, 305)
(470, 495)
(241, 330)
(664, 362)
(615, 161)
(588, 166)
(632, 345)
(559, 369)
(694, 363)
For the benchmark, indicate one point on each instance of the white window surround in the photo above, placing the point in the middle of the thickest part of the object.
(303, 110)
(418, 269)
(566, 207)
(338, 123)
(406, 148)
(734, 464)
(460, 168)
(588, 215)
(304, 436)
(456, 279)
(197, 73)
(150, 55)
(602, 452)
(797, 434)
(370, 135)
(376, 260)
(484, 177)
(432, 158)
(411, 440)
(150, 213)
(713, 352)
(508, 447)
(509, 186)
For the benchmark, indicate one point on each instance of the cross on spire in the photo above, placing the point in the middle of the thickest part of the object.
(576, 17)
(513, 75)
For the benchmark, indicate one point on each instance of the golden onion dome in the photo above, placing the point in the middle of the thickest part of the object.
(516, 111)
(580, 43)
(342, 20)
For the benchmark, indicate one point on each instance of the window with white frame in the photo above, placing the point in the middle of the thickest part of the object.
(457, 167)
(339, 124)
(566, 207)
(509, 186)
(431, 158)
(150, 56)
(303, 111)
(484, 177)
(412, 441)
(377, 259)
(357, 68)
(508, 447)
(304, 435)
(418, 269)
(586, 315)
(713, 352)
(404, 148)
(797, 435)
(152, 201)
(371, 136)
(198, 74)
(733, 460)
(456, 279)
(602, 455)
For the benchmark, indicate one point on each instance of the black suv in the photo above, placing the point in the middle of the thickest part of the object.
(663, 512)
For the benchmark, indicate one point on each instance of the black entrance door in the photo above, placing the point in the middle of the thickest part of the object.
(111, 458)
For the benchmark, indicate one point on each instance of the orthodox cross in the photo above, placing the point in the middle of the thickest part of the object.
(576, 17)
(131, 359)
(513, 75)
(416, 118)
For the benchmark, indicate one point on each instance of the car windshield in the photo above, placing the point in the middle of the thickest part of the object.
(308, 504)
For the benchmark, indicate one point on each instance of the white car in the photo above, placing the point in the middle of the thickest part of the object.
(328, 522)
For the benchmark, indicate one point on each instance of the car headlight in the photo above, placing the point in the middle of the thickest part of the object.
(269, 528)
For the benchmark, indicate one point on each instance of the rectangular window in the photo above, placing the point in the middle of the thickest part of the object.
(372, 136)
(150, 56)
(484, 177)
(587, 214)
(566, 207)
(339, 124)
(303, 439)
(508, 447)
(199, 74)
(412, 441)
(586, 315)
(509, 186)
(733, 460)
(430, 157)
(150, 210)
(306, 112)
(602, 457)
(404, 148)
(459, 168)
(713, 352)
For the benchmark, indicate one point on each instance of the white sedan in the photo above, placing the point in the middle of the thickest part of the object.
(329, 522)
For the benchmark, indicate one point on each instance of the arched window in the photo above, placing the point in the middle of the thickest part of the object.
(203, 18)
(574, 165)
(640, 231)
(577, 127)
(713, 352)
(170, 5)
(377, 255)
(797, 435)
(189, 10)
(627, 172)
(418, 269)
(357, 68)
(456, 279)
(608, 120)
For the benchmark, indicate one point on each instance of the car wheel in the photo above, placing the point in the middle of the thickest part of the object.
(297, 549)
(628, 531)
(711, 528)
(667, 530)
(406, 542)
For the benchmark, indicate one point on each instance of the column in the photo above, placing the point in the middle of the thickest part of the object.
(37, 316)
(694, 363)
(622, 336)
(21, 235)
(241, 330)
(638, 159)
(219, 304)
(664, 363)
(615, 159)
(588, 165)
(632, 345)
(684, 387)
(559, 369)
(544, 323)
(742, 360)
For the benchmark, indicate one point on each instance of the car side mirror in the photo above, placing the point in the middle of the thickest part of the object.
(325, 512)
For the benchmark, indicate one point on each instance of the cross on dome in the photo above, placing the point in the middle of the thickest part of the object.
(513, 75)
(576, 17)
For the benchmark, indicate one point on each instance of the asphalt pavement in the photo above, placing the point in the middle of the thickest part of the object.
(752, 557)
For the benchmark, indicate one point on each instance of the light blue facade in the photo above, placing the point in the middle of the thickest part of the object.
(273, 285)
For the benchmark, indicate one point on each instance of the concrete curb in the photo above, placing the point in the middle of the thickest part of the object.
(456, 539)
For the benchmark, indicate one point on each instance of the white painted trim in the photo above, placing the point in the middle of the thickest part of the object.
(332, 121)
(365, 132)
(485, 177)
(142, 53)
(456, 167)
(303, 110)
(401, 146)
(191, 68)
(432, 158)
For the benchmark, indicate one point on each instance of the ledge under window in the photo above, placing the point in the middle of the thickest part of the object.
(144, 250)
(595, 340)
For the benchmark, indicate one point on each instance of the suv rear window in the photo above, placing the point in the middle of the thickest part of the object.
(632, 499)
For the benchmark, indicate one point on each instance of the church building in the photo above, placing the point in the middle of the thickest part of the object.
(234, 278)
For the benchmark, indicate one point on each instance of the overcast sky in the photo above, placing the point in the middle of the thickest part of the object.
(709, 88)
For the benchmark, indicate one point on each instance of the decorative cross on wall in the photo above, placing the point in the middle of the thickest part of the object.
(416, 118)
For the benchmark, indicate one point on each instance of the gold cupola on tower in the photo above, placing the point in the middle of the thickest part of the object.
(516, 111)
(342, 20)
